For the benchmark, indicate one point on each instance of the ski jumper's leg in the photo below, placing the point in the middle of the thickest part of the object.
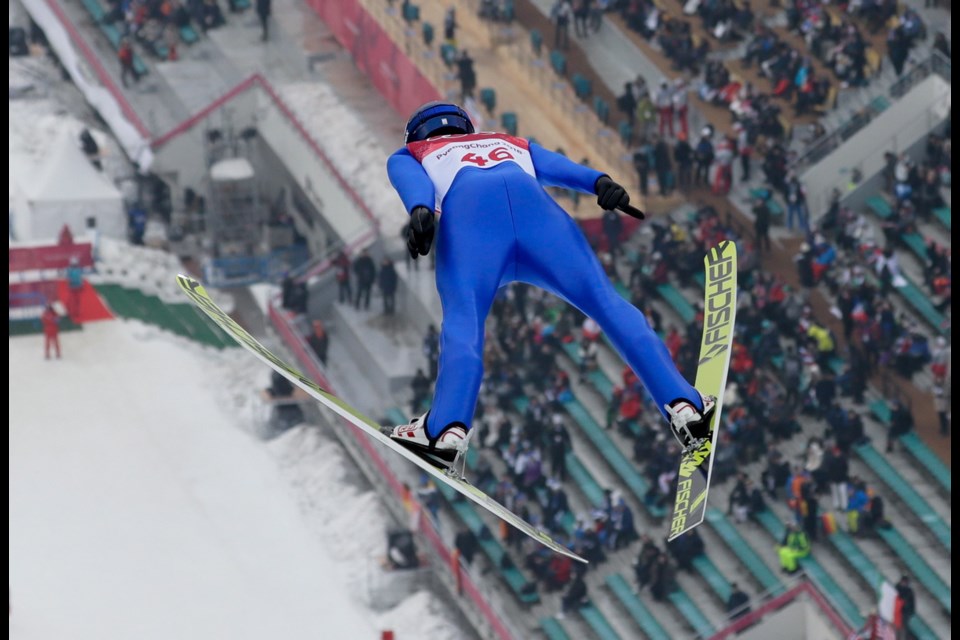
(475, 243)
(553, 254)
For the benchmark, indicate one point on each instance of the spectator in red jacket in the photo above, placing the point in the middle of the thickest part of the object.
(51, 331)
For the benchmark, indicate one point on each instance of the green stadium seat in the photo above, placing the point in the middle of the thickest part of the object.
(602, 109)
(508, 120)
(767, 196)
(189, 35)
(923, 305)
(411, 12)
(491, 547)
(95, 9)
(625, 129)
(691, 613)
(872, 576)
(598, 623)
(879, 205)
(113, 34)
(712, 576)
(926, 459)
(879, 464)
(582, 86)
(615, 457)
(427, 31)
(677, 301)
(488, 97)
(559, 62)
(917, 245)
(638, 611)
(536, 42)
(744, 552)
(449, 54)
(847, 607)
(553, 630)
(917, 566)
(943, 215)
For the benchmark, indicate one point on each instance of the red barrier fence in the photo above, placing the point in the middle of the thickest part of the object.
(54, 256)
(389, 69)
(372, 453)
(782, 600)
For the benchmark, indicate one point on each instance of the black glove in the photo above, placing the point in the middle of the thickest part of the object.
(420, 231)
(610, 195)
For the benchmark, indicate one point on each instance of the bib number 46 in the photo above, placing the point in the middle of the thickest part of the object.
(499, 154)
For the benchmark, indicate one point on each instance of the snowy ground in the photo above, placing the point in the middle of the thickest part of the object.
(141, 506)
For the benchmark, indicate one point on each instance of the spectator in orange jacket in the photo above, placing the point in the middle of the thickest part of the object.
(51, 331)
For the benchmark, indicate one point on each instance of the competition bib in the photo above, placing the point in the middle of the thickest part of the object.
(444, 157)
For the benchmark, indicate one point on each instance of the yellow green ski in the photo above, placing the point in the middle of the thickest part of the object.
(199, 296)
(719, 315)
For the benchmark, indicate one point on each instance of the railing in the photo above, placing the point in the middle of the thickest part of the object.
(491, 621)
(870, 162)
(237, 271)
(823, 146)
(780, 601)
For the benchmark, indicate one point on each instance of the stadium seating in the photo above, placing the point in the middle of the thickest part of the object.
(613, 455)
(581, 86)
(847, 607)
(943, 215)
(879, 464)
(711, 574)
(597, 622)
(638, 611)
(553, 629)
(508, 120)
(559, 62)
(917, 566)
(744, 552)
(694, 617)
(927, 460)
(870, 574)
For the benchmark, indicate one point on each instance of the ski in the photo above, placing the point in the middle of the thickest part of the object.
(719, 309)
(198, 295)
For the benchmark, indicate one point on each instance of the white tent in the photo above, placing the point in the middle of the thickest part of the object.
(59, 186)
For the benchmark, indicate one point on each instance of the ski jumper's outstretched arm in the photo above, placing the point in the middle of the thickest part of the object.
(410, 181)
(557, 170)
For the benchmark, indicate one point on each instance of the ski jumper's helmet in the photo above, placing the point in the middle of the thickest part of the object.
(437, 119)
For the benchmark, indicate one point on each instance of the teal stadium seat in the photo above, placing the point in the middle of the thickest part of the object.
(553, 629)
(582, 86)
(879, 464)
(626, 133)
(602, 109)
(598, 623)
(411, 13)
(508, 120)
(624, 594)
(926, 459)
(943, 215)
(189, 35)
(427, 31)
(559, 62)
(488, 97)
(536, 42)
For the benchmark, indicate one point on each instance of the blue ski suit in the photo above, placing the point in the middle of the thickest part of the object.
(498, 225)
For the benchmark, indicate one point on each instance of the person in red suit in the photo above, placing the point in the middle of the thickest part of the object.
(51, 331)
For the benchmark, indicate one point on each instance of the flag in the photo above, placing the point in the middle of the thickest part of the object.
(890, 604)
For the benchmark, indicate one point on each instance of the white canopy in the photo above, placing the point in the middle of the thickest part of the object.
(54, 184)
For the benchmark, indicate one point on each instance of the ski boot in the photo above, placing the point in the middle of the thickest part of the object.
(446, 451)
(690, 426)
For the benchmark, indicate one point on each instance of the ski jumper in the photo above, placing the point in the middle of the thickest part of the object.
(498, 225)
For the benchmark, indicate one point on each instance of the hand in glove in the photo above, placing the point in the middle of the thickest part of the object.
(420, 232)
(610, 195)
